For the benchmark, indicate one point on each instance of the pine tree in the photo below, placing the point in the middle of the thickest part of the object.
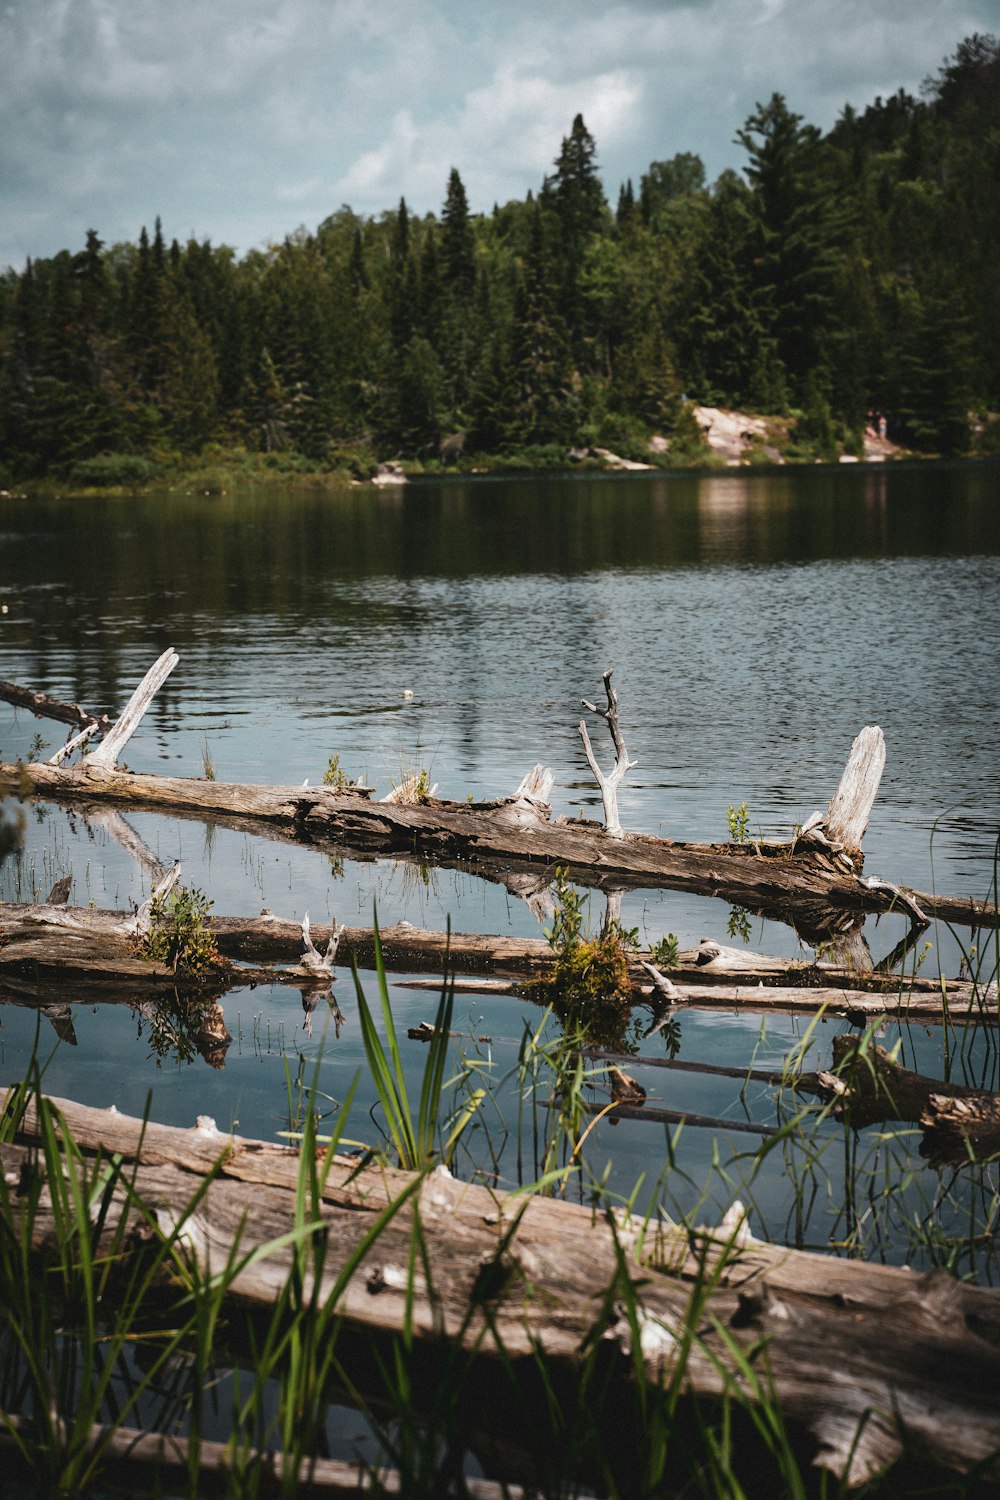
(799, 233)
(543, 409)
(458, 247)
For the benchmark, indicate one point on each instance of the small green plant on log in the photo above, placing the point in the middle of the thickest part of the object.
(666, 951)
(589, 988)
(335, 776)
(738, 819)
(179, 934)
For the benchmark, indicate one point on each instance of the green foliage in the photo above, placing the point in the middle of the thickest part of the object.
(335, 775)
(108, 469)
(179, 934)
(738, 925)
(417, 1140)
(664, 952)
(589, 988)
(738, 819)
(838, 274)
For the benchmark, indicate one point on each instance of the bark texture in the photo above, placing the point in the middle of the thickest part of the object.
(870, 1360)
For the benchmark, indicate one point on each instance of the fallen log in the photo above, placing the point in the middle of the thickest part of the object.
(44, 947)
(822, 863)
(872, 1362)
(960, 1123)
(480, 836)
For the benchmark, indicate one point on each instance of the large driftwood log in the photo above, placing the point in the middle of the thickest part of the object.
(869, 1360)
(482, 837)
(515, 831)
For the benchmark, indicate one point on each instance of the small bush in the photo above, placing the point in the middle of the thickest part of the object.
(336, 776)
(179, 934)
(113, 469)
(589, 988)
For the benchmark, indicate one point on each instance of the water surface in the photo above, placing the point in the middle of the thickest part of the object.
(755, 623)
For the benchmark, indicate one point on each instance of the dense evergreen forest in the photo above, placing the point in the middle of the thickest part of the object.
(839, 274)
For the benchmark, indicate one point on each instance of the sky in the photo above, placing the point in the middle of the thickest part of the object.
(239, 120)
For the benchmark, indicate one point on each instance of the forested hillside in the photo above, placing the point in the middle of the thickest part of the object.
(837, 275)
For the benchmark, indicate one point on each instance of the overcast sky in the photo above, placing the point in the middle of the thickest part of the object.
(238, 120)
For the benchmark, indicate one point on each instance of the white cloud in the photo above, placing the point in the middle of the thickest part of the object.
(216, 114)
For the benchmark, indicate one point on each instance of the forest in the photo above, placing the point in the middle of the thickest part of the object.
(840, 275)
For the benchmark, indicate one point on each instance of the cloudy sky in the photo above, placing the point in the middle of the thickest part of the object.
(237, 120)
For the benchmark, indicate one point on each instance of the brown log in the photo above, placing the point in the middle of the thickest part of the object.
(132, 1456)
(482, 836)
(868, 1085)
(870, 1360)
(44, 946)
(960, 1126)
(44, 707)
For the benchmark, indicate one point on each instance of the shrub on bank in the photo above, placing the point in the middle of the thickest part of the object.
(108, 469)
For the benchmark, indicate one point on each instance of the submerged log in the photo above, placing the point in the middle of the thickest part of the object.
(961, 1123)
(870, 1361)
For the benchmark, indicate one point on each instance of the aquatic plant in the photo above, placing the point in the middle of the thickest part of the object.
(179, 934)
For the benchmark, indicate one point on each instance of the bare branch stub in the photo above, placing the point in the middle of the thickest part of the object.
(608, 784)
(116, 738)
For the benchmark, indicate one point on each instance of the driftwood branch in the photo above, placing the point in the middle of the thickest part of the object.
(73, 744)
(140, 924)
(319, 966)
(44, 707)
(841, 829)
(114, 742)
(608, 784)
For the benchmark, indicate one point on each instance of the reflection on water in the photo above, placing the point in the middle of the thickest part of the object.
(755, 621)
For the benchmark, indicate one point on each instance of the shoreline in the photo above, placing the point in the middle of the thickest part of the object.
(236, 469)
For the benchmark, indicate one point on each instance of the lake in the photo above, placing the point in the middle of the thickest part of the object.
(755, 622)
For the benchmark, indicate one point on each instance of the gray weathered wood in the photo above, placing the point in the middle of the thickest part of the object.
(841, 829)
(867, 1358)
(776, 881)
(107, 753)
(610, 783)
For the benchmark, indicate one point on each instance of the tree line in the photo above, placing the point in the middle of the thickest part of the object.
(838, 275)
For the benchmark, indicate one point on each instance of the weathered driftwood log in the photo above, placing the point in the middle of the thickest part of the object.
(608, 784)
(515, 831)
(869, 1360)
(482, 837)
(43, 947)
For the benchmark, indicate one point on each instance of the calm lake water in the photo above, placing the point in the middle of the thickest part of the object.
(755, 623)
